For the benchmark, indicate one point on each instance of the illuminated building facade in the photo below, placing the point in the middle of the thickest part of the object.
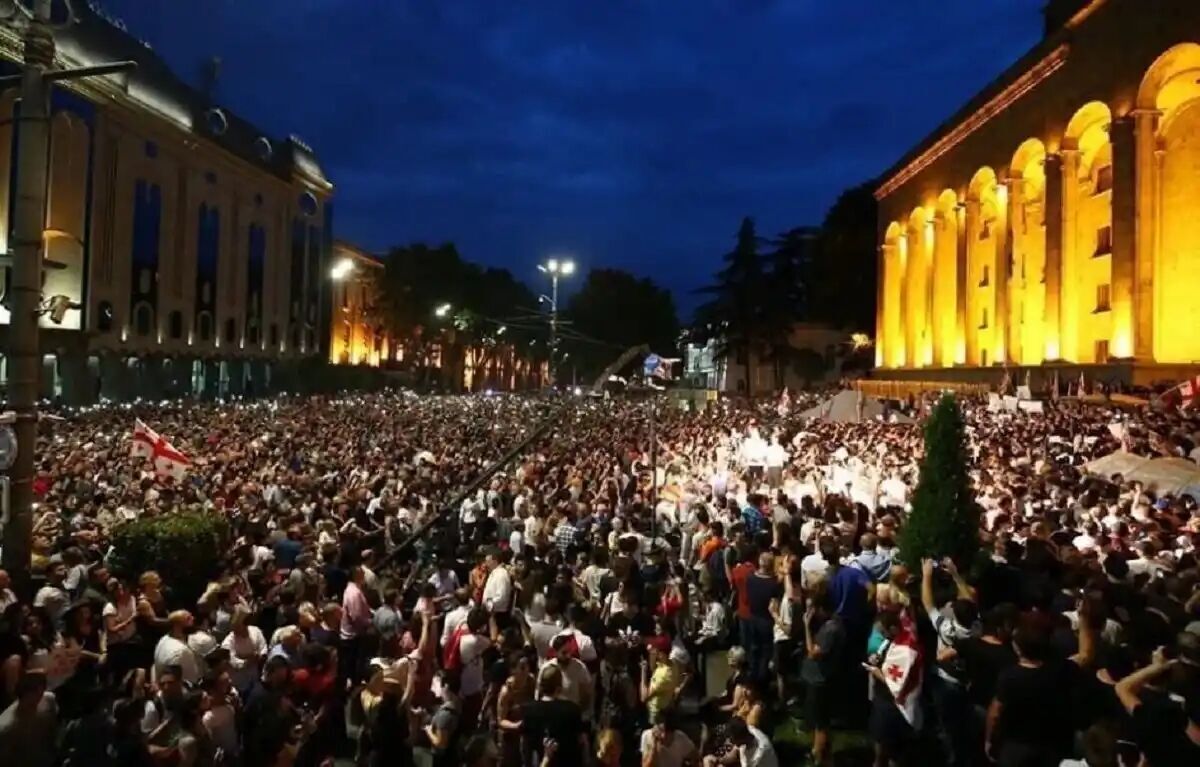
(1056, 217)
(193, 248)
(357, 334)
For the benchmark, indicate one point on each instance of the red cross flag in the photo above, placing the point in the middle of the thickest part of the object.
(148, 444)
(1185, 395)
(902, 672)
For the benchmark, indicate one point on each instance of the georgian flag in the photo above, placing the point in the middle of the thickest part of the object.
(1185, 395)
(148, 444)
(902, 673)
(144, 440)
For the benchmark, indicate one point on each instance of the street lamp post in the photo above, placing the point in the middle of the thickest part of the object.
(29, 225)
(554, 268)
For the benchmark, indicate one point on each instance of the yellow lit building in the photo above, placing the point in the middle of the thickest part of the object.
(193, 247)
(357, 335)
(1056, 217)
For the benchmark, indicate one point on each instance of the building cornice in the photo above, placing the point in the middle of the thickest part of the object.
(965, 126)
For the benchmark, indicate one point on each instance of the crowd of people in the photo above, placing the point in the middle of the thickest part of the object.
(387, 599)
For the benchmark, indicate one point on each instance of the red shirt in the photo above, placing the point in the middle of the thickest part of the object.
(740, 573)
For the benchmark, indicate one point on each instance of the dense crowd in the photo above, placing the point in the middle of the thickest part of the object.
(600, 599)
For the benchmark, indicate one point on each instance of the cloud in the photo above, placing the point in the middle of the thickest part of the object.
(633, 133)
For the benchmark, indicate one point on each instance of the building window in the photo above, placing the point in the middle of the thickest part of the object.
(1103, 297)
(1104, 180)
(252, 334)
(104, 317)
(1102, 350)
(273, 335)
(985, 280)
(1103, 241)
(230, 331)
(175, 326)
(983, 360)
(143, 319)
(205, 326)
(983, 323)
(309, 340)
(295, 338)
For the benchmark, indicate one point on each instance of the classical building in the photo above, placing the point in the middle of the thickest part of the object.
(192, 247)
(1056, 217)
(357, 335)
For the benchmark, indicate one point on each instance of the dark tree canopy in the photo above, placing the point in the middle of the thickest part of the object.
(612, 311)
(841, 280)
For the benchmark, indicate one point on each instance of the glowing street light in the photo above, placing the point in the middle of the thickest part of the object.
(442, 310)
(555, 268)
(341, 270)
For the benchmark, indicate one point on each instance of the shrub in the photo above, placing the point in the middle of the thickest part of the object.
(185, 548)
(945, 517)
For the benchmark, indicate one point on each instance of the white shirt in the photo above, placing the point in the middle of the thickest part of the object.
(452, 621)
(761, 754)
(123, 613)
(244, 672)
(576, 681)
(471, 649)
(497, 591)
(173, 652)
(673, 753)
(813, 568)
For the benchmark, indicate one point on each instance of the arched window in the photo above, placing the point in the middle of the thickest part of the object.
(104, 317)
(143, 319)
(205, 329)
(230, 330)
(175, 325)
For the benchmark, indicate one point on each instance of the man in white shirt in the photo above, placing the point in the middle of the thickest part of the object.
(456, 616)
(173, 649)
(752, 748)
(577, 682)
(664, 745)
(498, 589)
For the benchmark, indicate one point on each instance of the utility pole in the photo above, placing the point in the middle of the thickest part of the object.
(554, 268)
(29, 224)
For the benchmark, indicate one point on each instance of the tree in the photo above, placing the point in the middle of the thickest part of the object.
(841, 280)
(736, 316)
(187, 545)
(945, 518)
(785, 298)
(419, 279)
(612, 311)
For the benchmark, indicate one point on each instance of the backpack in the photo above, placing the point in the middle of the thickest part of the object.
(452, 654)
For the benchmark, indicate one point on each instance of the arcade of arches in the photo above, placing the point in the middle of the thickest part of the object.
(1081, 246)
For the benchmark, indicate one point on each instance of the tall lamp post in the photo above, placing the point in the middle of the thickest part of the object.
(555, 268)
(32, 18)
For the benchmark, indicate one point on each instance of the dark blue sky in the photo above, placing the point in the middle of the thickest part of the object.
(629, 133)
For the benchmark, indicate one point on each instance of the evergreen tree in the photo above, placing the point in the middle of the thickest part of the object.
(736, 314)
(945, 518)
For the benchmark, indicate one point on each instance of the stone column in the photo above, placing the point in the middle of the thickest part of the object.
(1146, 223)
(901, 261)
(966, 281)
(1052, 271)
(1004, 269)
(941, 229)
(1124, 234)
(78, 388)
(1068, 300)
(881, 341)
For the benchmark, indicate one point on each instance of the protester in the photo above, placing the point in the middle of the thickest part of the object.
(579, 604)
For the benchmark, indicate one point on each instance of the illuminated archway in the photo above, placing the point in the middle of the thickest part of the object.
(893, 291)
(1172, 89)
(949, 345)
(1087, 251)
(1027, 299)
(918, 295)
(983, 222)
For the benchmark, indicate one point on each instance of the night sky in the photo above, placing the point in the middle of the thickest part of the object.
(629, 133)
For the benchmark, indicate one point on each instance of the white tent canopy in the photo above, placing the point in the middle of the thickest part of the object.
(1174, 476)
(844, 407)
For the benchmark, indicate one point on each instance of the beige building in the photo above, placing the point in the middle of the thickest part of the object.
(1056, 217)
(358, 335)
(193, 248)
